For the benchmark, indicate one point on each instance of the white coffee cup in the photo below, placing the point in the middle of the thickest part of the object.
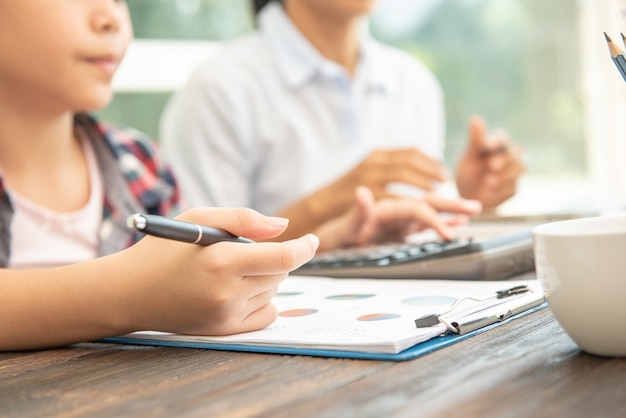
(581, 265)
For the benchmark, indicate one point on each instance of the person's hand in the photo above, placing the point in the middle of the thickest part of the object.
(385, 166)
(392, 219)
(376, 172)
(490, 167)
(223, 288)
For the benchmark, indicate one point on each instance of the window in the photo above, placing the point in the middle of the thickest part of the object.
(171, 36)
(516, 62)
(539, 69)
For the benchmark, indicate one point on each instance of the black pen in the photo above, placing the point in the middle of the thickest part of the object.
(160, 226)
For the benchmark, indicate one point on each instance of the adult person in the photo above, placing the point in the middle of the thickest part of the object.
(293, 118)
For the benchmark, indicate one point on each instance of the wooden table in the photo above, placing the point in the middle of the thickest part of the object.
(526, 368)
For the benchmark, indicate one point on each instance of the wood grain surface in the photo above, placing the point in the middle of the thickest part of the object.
(526, 368)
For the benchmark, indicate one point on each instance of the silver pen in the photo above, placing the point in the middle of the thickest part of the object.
(160, 226)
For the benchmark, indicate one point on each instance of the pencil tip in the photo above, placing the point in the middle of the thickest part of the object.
(607, 37)
(623, 37)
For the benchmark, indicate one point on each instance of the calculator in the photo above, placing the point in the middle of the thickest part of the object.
(487, 248)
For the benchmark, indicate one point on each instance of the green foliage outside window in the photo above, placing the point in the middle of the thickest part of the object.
(513, 61)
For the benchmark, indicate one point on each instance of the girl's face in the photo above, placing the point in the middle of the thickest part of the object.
(62, 53)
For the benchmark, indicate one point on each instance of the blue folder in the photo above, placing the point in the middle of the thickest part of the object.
(408, 354)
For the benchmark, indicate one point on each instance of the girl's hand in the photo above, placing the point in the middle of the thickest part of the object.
(223, 288)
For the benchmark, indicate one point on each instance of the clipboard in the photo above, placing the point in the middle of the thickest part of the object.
(467, 317)
(416, 351)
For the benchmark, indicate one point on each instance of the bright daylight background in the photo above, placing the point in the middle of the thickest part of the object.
(540, 69)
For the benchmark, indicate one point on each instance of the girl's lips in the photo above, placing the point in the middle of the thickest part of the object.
(105, 64)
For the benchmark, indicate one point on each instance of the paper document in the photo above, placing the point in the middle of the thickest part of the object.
(361, 315)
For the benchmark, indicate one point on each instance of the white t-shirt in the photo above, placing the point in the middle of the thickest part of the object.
(269, 120)
(43, 238)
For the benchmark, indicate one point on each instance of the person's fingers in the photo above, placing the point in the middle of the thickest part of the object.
(364, 199)
(412, 164)
(268, 258)
(513, 170)
(502, 155)
(477, 135)
(460, 206)
(364, 226)
(497, 162)
(431, 218)
(426, 165)
(515, 161)
(416, 178)
(409, 211)
(248, 321)
(386, 166)
(258, 300)
(494, 181)
(454, 221)
(259, 318)
(237, 221)
(498, 190)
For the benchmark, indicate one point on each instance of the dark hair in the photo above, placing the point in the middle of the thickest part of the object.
(257, 5)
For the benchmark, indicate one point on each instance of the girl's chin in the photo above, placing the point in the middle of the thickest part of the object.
(95, 102)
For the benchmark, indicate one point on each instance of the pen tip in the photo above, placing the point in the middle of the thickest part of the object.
(607, 37)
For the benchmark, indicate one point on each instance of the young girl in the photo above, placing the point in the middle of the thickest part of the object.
(68, 183)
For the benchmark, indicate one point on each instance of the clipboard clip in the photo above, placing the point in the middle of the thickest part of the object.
(460, 319)
(515, 290)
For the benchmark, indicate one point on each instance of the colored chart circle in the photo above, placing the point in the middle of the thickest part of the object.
(297, 312)
(429, 300)
(288, 294)
(378, 317)
(355, 296)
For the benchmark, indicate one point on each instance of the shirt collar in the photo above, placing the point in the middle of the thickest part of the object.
(299, 61)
